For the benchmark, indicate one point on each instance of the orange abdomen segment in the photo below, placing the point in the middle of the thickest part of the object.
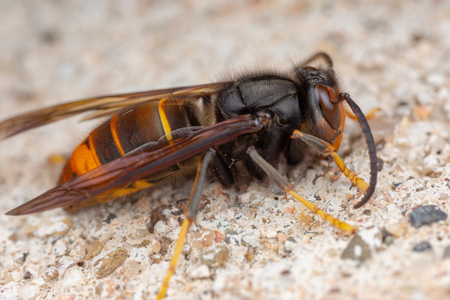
(124, 132)
(81, 161)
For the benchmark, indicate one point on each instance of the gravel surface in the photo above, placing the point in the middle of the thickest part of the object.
(249, 242)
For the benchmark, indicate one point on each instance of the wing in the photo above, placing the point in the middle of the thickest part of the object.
(148, 160)
(102, 105)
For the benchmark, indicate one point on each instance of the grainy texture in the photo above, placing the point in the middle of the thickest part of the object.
(390, 54)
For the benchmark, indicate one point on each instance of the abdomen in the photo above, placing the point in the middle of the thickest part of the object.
(124, 132)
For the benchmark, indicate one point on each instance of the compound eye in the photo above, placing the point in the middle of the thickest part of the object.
(329, 105)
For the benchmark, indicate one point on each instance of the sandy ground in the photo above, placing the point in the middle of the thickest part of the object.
(390, 54)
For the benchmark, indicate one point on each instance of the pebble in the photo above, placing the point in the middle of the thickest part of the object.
(251, 240)
(156, 258)
(436, 79)
(387, 237)
(10, 291)
(66, 297)
(161, 228)
(109, 218)
(51, 273)
(173, 222)
(111, 261)
(27, 275)
(426, 214)
(216, 256)
(155, 245)
(74, 277)
(373, 237)
(79, 252)
(22, 258)
(200, 272)
(64, 264)
(289, 209)
(39, 281)
(203, 239)
(30, 292)
(140, 233)
(422, 112)
(219, 236)
(132, 267)
(94, 248)
(61, 248)
(446, 252)
(13, 274)
(249, 254)
(282, 237)
(305, 219)
(271, 233)
(397, 229)
(422, 247)
(357, 249)
(50, 227)
(290, 244)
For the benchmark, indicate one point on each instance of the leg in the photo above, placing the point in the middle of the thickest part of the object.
(191, 214)
(223, 172)
(327, 149)
(284, 186)
(369, 116)
(319, 55)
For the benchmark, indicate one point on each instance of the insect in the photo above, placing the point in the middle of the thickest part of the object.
(257, 120)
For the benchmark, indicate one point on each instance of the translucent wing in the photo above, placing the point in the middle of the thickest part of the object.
(102, 106)
(142, 162)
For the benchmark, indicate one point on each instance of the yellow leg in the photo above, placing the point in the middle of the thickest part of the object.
(327, 149)
(282, 184)
(325, 216)
(352, 176)
(369, 116)
(173, 263)
(190, 213)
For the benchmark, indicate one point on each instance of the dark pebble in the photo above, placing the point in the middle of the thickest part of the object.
(422, 247)
(426, 214)
(27, 275)
(109, 218)
(380, 164)
(387, 237)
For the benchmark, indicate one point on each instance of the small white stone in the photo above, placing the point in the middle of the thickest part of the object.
(245, 197)
(173, 222)
(357, 250)
(40, 281)
(200, 272)
(64, 264)
(10, 290)
(372, 237)
(60, 248)
(219, 284)
(139, 254)
(161, 227)
(173, 234)
(74, 277)
(30, 291)
(289, 245)
(270, 233)
(437, 79)
(251, 239)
